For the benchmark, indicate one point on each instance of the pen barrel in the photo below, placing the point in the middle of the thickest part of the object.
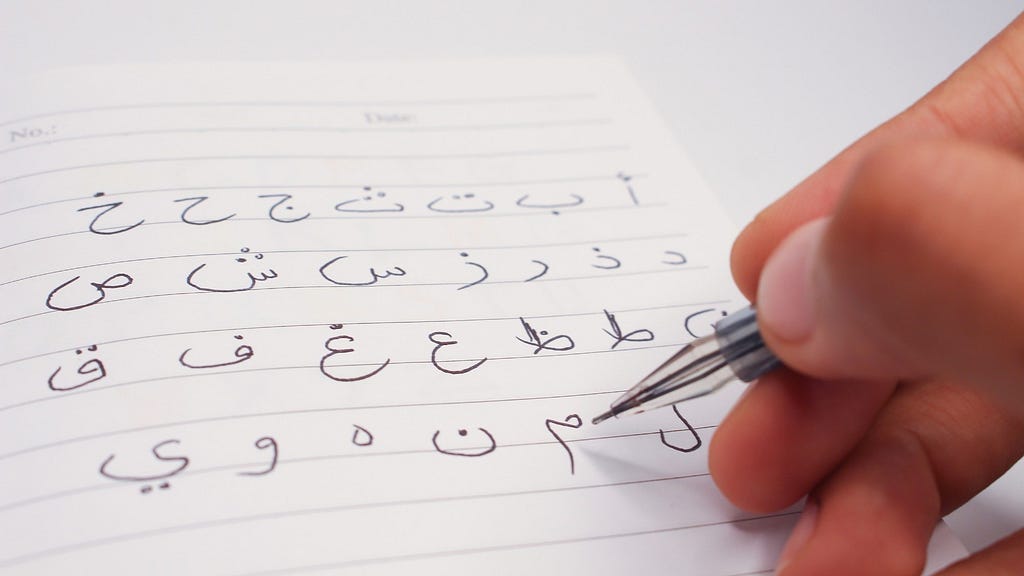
(740, 343)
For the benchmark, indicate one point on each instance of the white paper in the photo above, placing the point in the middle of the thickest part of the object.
(283, 319)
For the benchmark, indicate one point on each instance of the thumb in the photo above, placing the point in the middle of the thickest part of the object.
(918, 273)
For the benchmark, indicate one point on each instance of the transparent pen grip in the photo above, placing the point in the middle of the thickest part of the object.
(742, 346)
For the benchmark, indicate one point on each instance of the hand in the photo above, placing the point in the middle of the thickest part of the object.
(892, 280)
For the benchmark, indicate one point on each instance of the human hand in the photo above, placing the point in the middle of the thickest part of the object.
(896, 274)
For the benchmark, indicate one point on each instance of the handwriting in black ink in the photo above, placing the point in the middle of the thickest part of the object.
(443, 339)
(697, 324)
(264, 443)
(196, 201)
(626, 179)
(539, 341)
(241, 354)
(471, 450)
(690, 431)
(182, 463)
(92, 369)
(104, 209)
(114, 282)
(335, 346)
(361, 436)
(641, 335)
(460, 204)
(543, 270)
(275, 215)
(674, 258)
(248, 283)
(483, 272)
(571, 421)
(369, 203)
(331, 275)
(604, 261)
(524, 202)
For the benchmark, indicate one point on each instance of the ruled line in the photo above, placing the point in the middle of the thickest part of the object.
(266, 220)
(383, 129)
(341, 186)
(439, 102)
(450, 248)
(358, 157)
(190, 472)
(252, 415)
(107, 302)
(509, 547)
(311, 367)
(235, 520)
(369, 323)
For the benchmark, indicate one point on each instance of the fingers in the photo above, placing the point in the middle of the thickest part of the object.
(909, 279)
(932, 447)
(982, 101)
(1004, 558)
(786, 434)
(917, 274)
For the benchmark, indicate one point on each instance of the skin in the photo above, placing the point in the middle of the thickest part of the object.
(892, 280)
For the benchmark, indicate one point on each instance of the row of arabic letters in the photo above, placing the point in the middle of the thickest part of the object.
(168, 458)
(108, 217)
(341, 359)
(247, 271)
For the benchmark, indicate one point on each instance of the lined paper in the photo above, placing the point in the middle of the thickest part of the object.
(305, 319)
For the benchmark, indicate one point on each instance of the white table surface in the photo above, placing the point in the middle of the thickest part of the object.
(760, 93)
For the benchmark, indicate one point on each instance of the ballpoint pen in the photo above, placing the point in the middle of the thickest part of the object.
(735, 351)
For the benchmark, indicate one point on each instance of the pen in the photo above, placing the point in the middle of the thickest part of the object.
(735, 351)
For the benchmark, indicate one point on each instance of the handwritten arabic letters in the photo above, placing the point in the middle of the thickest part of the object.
(604, 261)
(270, 445)
(627, 181)
(342, 271)
(460, 204)
(673, 258)
(344, 344)
(361, 436)
(480, 270)
(542, 340)
(239, 278)
(639, 335)
(685, 441)
(241, 353)
(282, 210)
(369, 203)
(108, 216)
(195, 202)
(169, 466)
(464, 442)
(572, 421)
(702, 322)
(543, 270)
(556, 206)
(91, 370)
(105, 220)
(75, 295)
(442, 339)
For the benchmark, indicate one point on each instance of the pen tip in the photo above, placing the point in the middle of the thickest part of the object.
(602, 417)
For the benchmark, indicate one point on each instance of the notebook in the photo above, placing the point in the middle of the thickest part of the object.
(355, 319)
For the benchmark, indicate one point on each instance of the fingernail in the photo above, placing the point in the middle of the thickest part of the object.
(785, 294)
(800, 535)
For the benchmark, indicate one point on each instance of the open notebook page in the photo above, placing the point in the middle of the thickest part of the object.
(303, 319)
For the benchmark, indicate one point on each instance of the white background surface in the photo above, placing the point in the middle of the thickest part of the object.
(759, 93)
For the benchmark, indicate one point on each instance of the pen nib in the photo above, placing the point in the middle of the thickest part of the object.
(603, 417)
